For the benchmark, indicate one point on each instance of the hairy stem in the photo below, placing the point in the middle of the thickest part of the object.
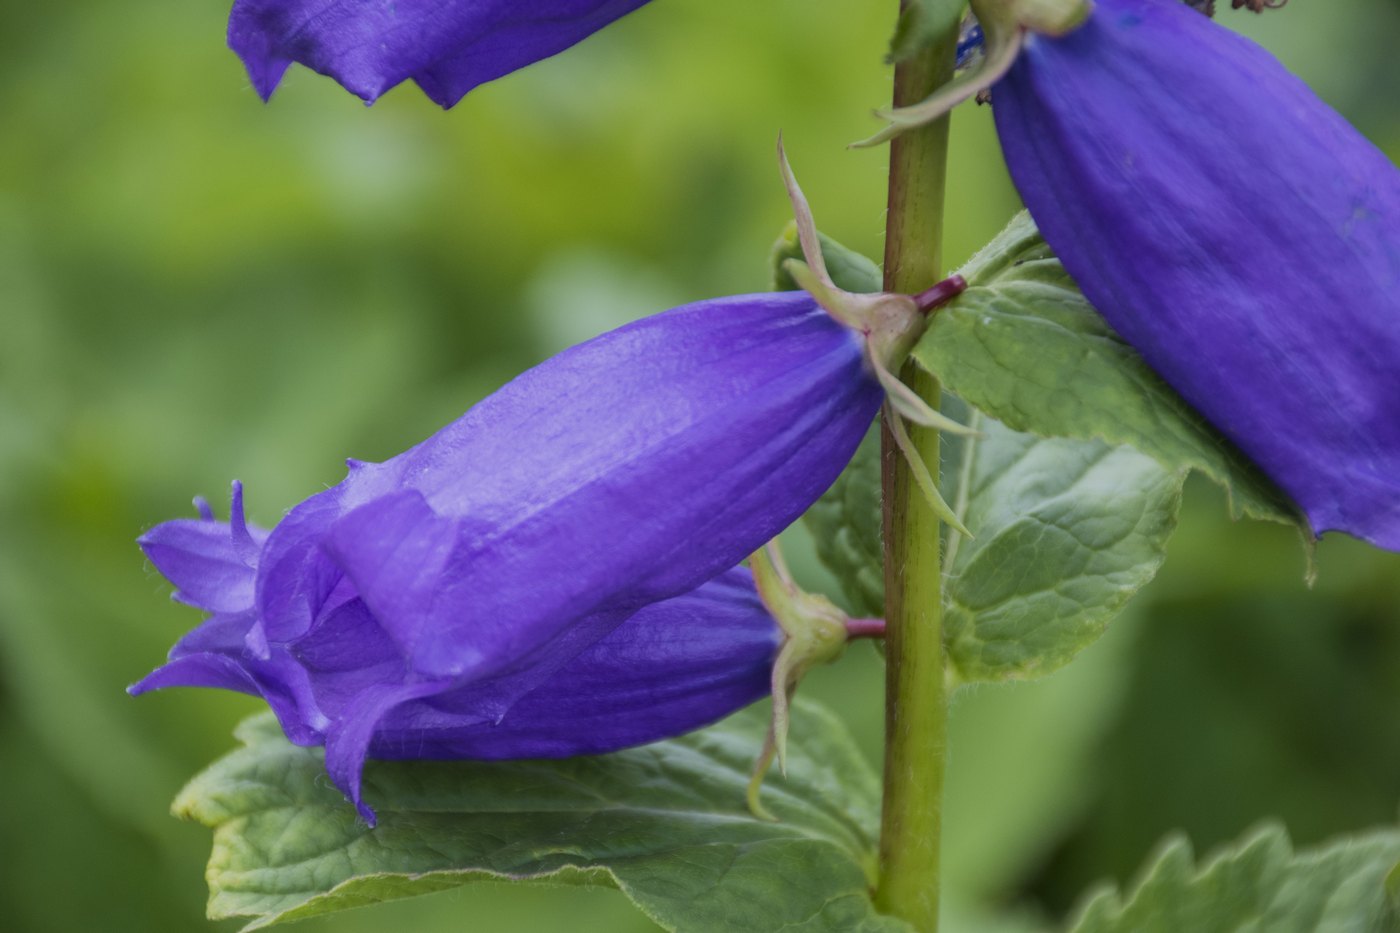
(916, 704)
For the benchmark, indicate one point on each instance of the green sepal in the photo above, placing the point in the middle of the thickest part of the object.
(1005, 24)
(849, 270)
(1002, 43)
(814, 633)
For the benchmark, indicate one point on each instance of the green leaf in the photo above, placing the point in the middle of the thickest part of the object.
(1023, 345)
(849, 270)
(845, 526)
(1066, 532)
(665, 823)
(1259, 885)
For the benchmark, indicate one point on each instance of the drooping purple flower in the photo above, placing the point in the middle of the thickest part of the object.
(1235, 230)
(672, 667)
(447, 47)
(628, 470)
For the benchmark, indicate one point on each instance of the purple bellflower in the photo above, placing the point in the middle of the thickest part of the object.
(1232, 227)
(447, 47)
(674, 666)
(626, 471)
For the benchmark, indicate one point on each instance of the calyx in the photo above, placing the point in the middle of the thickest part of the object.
(815, 632)
(891, 325)
(1005, 25)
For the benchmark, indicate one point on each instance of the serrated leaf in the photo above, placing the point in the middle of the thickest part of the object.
(1023, 345)
(665, 823)
(1066, 532)
(1258, 886)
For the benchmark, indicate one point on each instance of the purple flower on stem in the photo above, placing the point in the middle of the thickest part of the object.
(1234, 229)
(458, 577)
(447, 47)
(625, 471)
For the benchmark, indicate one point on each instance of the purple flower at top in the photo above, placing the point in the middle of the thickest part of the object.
(447, 47)
(625, 471)
(1235, 230)
(674, 666)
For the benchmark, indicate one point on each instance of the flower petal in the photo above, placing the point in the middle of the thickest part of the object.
(673, 667)
(395, 551)
(203, 561)
(369, 46)
(621, 472)
(213, 656)
(347, 741)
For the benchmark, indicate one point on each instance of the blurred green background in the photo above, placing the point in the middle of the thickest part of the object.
(195, 287)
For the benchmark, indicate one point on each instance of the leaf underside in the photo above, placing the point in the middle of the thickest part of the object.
(666, 824)
(1259, 885)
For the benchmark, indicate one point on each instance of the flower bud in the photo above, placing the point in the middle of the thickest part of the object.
(446, 48)
(1235, 230)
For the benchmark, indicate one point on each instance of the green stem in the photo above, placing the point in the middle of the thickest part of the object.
(916, 702)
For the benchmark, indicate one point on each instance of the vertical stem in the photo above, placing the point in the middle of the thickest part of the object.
(916, 704)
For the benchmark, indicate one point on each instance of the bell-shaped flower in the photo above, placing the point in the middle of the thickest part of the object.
(369, 46)
(674, 666)
(1231, 226)
(625, 471)
(628, 470)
